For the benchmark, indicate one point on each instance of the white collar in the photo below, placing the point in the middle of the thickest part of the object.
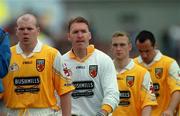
(129, 66)
(157, 57)
(37, 48)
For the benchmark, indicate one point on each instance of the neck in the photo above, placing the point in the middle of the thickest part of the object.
(27, 49)
(121, 63)
(80, 53)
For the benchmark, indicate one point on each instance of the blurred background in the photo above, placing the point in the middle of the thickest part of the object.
(162, 17)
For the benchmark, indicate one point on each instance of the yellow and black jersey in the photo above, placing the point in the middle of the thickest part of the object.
(165, 74)
(136, 90)
(32, 79)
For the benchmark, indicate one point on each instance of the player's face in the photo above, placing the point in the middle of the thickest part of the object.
(27, 31)
(121, 47)
(146, 50)
(79, 35)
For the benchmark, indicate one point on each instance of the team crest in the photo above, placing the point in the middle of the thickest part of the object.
(40, 64)
(158, 72)
(130, 81)
(66, 70)
(93, 69)
(151, 89)
(13, 67)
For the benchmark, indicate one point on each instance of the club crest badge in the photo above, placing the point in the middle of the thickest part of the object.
(158, 72)
(151, 88)
(66, 70)
(130, 81)
(93, 69)
(13, 67)
(40, 64)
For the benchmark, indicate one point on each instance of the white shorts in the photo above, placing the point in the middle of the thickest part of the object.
(32, 112)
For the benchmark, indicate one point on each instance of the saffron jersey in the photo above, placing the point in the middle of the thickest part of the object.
(165, 74)
(32, 79)
(136, 90)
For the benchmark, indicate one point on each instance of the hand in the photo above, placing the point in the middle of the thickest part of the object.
(167, 113)
(102, 113)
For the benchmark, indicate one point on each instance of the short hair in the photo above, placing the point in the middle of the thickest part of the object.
(146, 35)
(121, 34)
(26, 17)
(78, 19)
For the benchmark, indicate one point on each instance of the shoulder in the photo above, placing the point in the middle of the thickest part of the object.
(139, 68)
(167, 59)
(49, 49)
(101, 54)
(13, 48)
(66, 55)
(136, 60)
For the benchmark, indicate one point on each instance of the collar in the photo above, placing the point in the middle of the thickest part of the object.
(129, 66)
(37, 48)
(157, 57)
(90, 50)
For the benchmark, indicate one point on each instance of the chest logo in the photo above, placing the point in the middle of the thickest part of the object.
(93, 69)
(158, 72)
(40, 64)
(130, 81)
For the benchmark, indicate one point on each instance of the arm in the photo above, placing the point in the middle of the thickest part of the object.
(148, 96)
(4, 53)
(146, 111)
(174, 101)
(63, 85)
(173, 81)
(110, 90)
(66, 104)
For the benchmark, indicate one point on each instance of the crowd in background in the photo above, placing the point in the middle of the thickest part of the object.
(52, 22)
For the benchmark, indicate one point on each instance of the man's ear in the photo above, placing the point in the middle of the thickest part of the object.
(130, 46)
(68, 36)
(38, 29)
(16, 30)
(90, 35)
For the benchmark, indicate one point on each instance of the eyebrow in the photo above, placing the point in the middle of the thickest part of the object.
(120, 44)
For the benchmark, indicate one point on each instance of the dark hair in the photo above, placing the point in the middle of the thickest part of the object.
(146, 35)
(78, 19)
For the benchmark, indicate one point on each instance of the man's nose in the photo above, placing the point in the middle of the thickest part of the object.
(79, 34)
(26, 31)
(118, 47)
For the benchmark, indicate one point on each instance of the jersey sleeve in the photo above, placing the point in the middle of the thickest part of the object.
(173, 79)
(109, 83)
(147, 95)
(5, 53)
(62, 79)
